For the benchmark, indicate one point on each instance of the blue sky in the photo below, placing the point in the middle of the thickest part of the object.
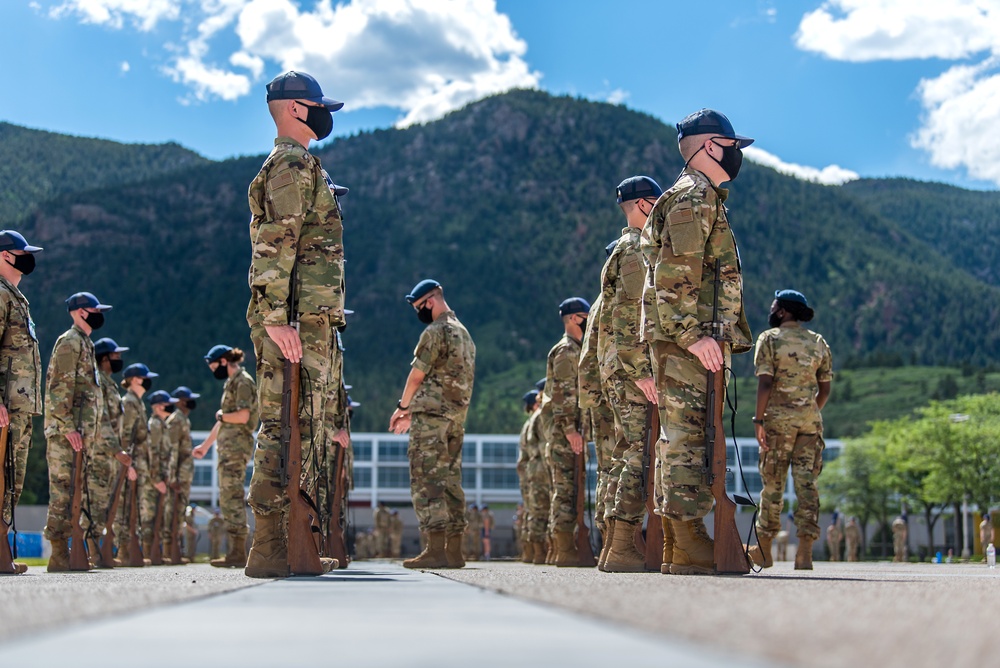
(876, 87)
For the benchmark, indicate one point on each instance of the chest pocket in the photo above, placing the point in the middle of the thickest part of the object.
(633, 276)
(685, 231)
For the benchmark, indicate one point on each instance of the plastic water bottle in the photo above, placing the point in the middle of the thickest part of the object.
(991, 556)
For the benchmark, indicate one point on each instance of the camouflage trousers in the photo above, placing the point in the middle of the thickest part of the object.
(435, 454)
(562, 464)
(602, 422)
(102, 469)
(151, 501)
(681, 488)
(59, 456)
(801, 447)
(629, 407)
(20, 442)
(319, 387)
(234, 451)
(538, 500)
(124, 508)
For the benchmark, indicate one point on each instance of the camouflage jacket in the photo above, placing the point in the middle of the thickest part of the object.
(686, 234)
(591, 390)
(295, 229)
(799, 360)
(238, 393)
(73, 399)
(620, 346)
(111, 419)
(135, 432)
(447, 355)
(162, 459)
(179, 431)
(561, 385)
(19, 344)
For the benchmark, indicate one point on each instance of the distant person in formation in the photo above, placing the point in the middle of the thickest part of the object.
(216, 532)
(488, 522)
(834, 536)
(137, 379)
(179, 431)
(380, 522)
(900, 533)
(433, 408)
(627, 372)
(163, 463)
(544, 431)
(22, 387)
(472, 526)
(685, 238)
(534, 478)
(235, 424)
(191, 532)
(781, 540)
(73, 409)
(852, 536)
(986, 531)
(517, 531)
(110, 455)
(296, 299)
(395, 535)
(794, 373)
(565, 440)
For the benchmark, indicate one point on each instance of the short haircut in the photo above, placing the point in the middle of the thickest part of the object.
(689, 145)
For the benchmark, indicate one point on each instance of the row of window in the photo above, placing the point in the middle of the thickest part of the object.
(493, 452)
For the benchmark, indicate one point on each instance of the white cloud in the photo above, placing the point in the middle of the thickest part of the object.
(961, 107)
(831, 175)
(617, 96)
(124, 67)
(423, 57)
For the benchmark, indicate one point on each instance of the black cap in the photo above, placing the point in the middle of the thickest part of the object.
(161, 397)
(140, 370)
(11, 240)
(184, 392)
(540, 385)
(530, 398)
(709, 122)
(85, 300)
(299, 86)
(574, 305)
(107, 346)
(638, 187)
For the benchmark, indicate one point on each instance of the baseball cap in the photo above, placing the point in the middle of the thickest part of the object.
(299, 86)
(107, 346)
(638, 187)
(161, 397)
(11, 240)
(709, 122)
(138, 369)
(85, 300)
(184, 392)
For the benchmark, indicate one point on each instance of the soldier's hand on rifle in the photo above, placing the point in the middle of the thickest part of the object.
(708, 352)
(575, 441)
(288, 341)
(342, 438)
(161, 487)
(123, 458)
(758, 430)
(132, 475)
(648, 388)
(75, 441)
(4, 417)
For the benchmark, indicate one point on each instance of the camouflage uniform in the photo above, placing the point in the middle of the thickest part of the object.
(179, 432)
(103, 468)
(798, 360)
(73, 402)
(560, 401)
(833, 537)
(852, 536)
(594, 400)
(161, 469)
(539, 481)
(686, 234)
(324, 485)
(135, 441)
(624, 360)
(473, 544)
(297, 235)
(447, 355)
(380, 522)
(235, 447)
(395, 535)
(216, 531)
(19, 346)
(899, 534)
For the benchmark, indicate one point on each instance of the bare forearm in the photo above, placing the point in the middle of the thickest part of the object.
(764, 384)
(823, 395)
(412, 385)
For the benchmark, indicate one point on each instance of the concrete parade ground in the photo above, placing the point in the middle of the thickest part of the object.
(377, 613)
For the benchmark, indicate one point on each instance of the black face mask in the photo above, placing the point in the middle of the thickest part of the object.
(583, 324)
(221, 372)
(192, 404)
(732, 160)
(24, 263)
(94, 320)
(147, 383)
(116, 365)
(425, 314)
(774, 320)
(319, 120)
(170, 408)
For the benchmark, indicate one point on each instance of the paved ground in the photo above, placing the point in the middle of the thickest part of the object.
(863, 614)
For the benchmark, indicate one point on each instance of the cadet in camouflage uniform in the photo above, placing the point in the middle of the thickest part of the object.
(380, 523)
(296, 278)
(686, 235)
(433, 408)
(235, 422)
(794, 370)
(540, 486)
(852, 537)
(137, 379)
(565, 437)
(162, 471)
(18, 348)
(527, 454)
(834, 535)
(627, 373)
(179, 431)
(472, 541)
(216, 532)
(103, 469)
(73, 408)
(899, 535)
(488, 522)
(395, 534)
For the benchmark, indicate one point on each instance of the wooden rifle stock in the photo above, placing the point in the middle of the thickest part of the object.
(303, 553)
(6, 556)
(653, 547)
(583, 547)
(175, 534)
(156, 549)
(336, 546)
(78, 560)
(108, 541)
(135, 556)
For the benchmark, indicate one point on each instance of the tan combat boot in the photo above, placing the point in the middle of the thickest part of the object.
(236, 557)
(804, 554)
(453, 551)
(566, 554)
(59, 561)
(668, 546)
(269, 552)
(528, 552)
(694, 551)
(434, 555)
(608, 536)
(761, 552)
(624, 557)
(541, 551)
(550, 552)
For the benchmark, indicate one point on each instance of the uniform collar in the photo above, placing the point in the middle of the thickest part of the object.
(288, 140)
(723, 193)
(791, 323)
(80, 331)
(14, 289)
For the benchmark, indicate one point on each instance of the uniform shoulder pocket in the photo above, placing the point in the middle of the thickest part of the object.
(283, 193)
(633, 273)
(684, 229)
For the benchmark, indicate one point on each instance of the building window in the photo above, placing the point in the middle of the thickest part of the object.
(499, 453)
(392, 451)
(362, 450)
(750, 455)
(202, 476)
(469, 452)
(469, 478)
(362, 477)
(500, 479)
(393, 477)
(754, 484)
